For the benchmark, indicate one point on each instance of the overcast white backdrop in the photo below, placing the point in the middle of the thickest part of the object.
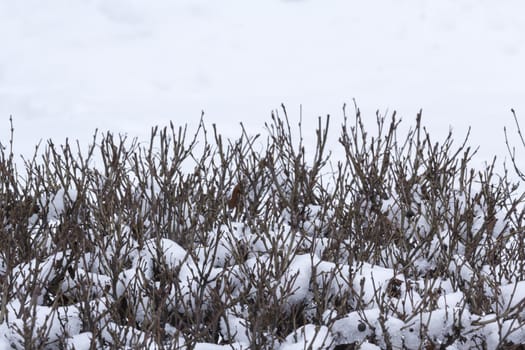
(70, 66)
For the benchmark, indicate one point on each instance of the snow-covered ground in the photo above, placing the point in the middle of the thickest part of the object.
(68, 67)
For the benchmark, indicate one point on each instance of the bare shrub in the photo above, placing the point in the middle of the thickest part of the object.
(193, 239)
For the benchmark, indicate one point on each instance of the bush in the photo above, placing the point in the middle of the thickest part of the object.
(193, 240)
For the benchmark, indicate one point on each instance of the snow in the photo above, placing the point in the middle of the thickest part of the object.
(376, 287)
(237, 326)
(353, 327)
(80, 341)
(308, 337)
(512, 295)
(59, 202)
(68, 67)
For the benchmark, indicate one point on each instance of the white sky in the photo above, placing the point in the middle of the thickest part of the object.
(70, 66)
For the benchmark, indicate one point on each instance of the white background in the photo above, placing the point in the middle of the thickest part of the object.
(68, 67)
